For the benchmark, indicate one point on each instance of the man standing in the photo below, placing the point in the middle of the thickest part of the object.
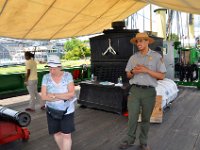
(31, 81)
(143, 69)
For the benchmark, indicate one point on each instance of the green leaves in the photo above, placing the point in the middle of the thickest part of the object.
(76, 49)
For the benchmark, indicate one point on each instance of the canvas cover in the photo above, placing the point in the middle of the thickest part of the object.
(55, 19)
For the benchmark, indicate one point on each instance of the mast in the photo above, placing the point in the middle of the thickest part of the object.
(161, 21)
(191, 27)
(143, 21)
(150, 17)
(169, 23)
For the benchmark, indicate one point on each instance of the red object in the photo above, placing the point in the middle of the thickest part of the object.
(10, 131)
(76, 74)
(125, 114)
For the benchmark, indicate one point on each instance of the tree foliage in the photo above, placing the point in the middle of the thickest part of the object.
(76, 49)
(174, 37)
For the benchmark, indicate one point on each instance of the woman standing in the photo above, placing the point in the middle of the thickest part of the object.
(58, 91)
(31, 81)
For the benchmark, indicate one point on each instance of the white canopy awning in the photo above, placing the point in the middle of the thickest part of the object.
(190, 6)
(54, 19)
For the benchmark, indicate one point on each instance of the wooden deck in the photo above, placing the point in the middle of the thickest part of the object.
(100, 130)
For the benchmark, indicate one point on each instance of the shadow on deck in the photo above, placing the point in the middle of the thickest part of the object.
(100, 130)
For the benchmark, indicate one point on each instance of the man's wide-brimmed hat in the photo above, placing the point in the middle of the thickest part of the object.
(141, 36)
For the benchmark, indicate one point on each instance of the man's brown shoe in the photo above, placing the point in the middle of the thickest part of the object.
(144, 147)
(42, 107)
(125, 145)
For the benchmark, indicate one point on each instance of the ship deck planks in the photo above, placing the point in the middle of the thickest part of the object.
(100, 130)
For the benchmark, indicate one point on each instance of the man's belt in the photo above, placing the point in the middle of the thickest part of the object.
(142, 86)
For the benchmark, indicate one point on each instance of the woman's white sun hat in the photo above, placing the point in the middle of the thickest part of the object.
(53, 61)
